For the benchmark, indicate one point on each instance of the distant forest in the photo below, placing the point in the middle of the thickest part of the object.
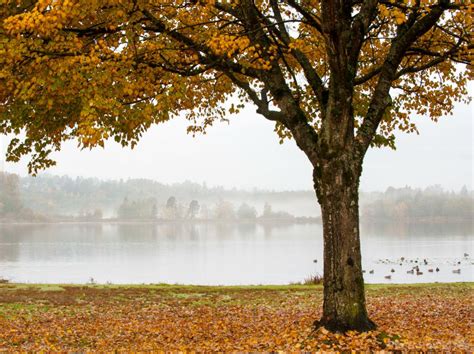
(432, 204)
(53, 198)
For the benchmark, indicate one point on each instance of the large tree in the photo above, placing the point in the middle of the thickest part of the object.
(337, 76)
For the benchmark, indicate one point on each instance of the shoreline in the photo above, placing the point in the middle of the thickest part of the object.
(295, 221)
(369, 286)
(302, 220)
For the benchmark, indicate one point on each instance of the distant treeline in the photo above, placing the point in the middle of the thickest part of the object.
(176, 211)
(432, 204)
(74, 196)
(63, 198)
(55, 198)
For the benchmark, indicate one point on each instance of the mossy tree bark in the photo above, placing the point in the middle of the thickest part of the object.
(336, 182)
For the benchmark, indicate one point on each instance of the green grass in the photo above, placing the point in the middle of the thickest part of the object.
(197, 288)
(26, 286)
(9, 311)
(216, 288)
(186, 291)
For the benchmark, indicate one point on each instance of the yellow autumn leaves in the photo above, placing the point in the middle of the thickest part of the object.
(398, 12)
(398, 16)
(46, 18)
(226, 44)
(240, 48)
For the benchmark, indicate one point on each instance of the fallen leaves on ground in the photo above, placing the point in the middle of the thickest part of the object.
(72, 318)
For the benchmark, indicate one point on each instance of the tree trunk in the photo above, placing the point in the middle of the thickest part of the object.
(336, 182)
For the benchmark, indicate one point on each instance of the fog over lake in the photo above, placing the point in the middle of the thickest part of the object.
(223, 253)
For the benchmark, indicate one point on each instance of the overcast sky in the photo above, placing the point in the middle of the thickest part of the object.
(246, 154)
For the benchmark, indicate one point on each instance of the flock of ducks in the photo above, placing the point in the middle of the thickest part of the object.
(416, 269)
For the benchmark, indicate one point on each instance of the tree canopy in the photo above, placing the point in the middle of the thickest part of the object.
(94, 69)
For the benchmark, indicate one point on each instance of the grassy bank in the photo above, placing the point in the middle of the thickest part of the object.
(256, 318)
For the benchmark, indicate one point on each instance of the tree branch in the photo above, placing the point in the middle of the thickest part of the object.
(360, 27)
(261, 103)
(209, 58)
(311, 19)
(405, 38)
(314, 80)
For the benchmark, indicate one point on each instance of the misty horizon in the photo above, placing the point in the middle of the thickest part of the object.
(225, 188)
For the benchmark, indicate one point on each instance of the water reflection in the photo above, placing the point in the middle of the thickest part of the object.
(219, 253)
(403, 229)
(246, 228)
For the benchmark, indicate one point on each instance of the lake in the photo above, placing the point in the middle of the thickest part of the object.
(226, 254)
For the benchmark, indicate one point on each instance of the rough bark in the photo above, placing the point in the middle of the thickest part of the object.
(336, 182)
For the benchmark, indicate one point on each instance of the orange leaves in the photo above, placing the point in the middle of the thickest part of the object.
(45, 19)
(398, 16)
(227, 319)
(310, 48)
(225, 44)
(240, 48)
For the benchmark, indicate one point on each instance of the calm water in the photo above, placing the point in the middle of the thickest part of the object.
(222, 253)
